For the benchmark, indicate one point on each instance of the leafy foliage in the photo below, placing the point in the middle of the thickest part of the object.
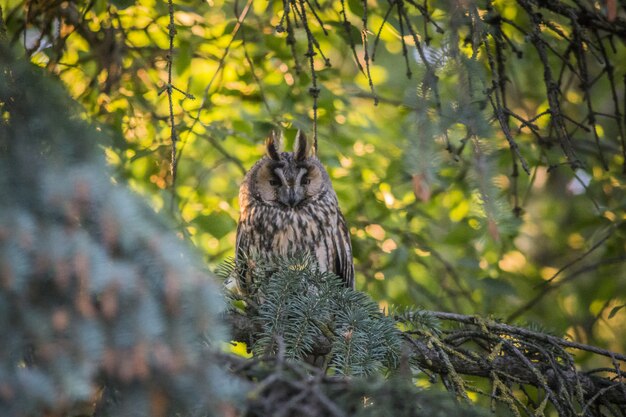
(433, 180)
(442, 213)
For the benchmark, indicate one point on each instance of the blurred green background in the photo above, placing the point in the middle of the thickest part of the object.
(444, 230)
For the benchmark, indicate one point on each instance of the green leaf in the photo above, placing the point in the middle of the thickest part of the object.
(355, 7)
(122, 4)
(218, 223)
(183, 57)
(615, 309)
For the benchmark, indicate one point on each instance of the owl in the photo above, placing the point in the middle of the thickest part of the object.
(288, 207)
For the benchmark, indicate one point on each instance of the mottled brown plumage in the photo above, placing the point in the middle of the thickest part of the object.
(288, 207)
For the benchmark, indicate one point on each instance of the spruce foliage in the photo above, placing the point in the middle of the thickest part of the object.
(99, 301)
(373, 361)
(284, 389)
(296, 306)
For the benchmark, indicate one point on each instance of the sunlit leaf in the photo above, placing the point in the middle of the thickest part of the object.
(615, 310)
(217, 223)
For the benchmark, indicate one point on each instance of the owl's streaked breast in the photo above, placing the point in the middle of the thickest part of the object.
(273, 231)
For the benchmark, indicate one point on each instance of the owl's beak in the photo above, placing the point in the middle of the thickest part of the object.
(290, 195)
(292, 198)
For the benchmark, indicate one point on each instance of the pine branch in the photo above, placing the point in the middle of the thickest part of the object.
(285, 388)
(518, 355)
(510, 363)
(504, 355)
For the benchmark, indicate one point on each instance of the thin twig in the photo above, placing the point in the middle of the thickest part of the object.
(592, 267)
(461, 318)
(314, 90)
(584, 255)
(220, 65)
(173, 138)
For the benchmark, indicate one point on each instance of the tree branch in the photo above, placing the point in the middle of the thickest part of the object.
(499, 352)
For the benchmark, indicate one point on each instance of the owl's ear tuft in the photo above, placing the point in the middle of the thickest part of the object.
(272, 145)
(302, 146)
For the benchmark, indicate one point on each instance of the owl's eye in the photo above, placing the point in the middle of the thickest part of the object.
(305, 181)
(274, 183)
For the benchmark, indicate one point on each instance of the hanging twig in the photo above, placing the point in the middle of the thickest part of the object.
(405, 53)
(314, 90)
(366, 57)
(609, 69)
(364, 41)
(585, 85)
(220, 66)
(552, 88)
(291, 38)
(380, 30)
(347, 27)
(169, 89)
(493, 94)
(170, 58)
(251, 64)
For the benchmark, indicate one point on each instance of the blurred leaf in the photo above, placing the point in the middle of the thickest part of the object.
(615, 310)
(122, 4)
(218, 223)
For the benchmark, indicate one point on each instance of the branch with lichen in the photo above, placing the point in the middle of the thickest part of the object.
(451, 348)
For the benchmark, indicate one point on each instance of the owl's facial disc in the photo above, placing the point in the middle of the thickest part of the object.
(290, 186)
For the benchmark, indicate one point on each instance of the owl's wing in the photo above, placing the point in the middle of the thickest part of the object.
(242, 246)
(240, 242)
(344, 265)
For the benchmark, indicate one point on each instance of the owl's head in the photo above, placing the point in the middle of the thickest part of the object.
(288, 179)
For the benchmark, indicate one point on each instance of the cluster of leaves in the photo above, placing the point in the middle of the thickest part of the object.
(106, 313)
(296, 307)
(102, 308)
(95, 292)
